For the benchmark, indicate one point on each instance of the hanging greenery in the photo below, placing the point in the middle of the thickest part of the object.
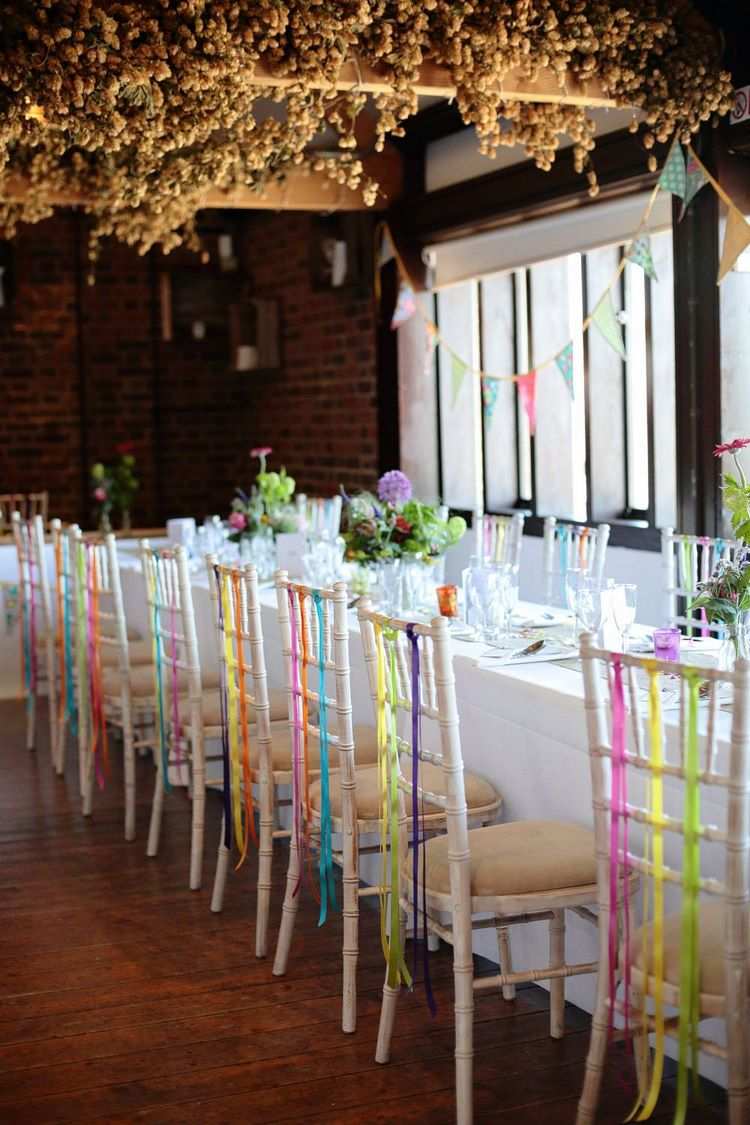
(139, 108)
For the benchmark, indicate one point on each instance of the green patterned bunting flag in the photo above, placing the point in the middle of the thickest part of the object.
(695, 180)
(490, 389)
(605, 319)
(564, 363)
(674, 175)
(640, 254)
(458, 372)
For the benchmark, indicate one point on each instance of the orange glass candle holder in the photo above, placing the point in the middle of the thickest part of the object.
(447, 597)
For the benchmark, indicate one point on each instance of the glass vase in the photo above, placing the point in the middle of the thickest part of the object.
(735, 644)
(389, 585)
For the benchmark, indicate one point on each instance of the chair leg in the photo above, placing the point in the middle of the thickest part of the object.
(506, 961)
(220, 876)
(52, 704)
(157, 806)
(267, 793)
(198, 772)
(62, 738)
(30, 720)
(128, 754)
(288, 912)
(557, 987)
(88, 783)
(387, 1019)
(351, 934)
(596, 1054)
(463, 985)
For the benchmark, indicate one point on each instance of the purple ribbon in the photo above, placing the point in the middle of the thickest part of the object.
(415, 816)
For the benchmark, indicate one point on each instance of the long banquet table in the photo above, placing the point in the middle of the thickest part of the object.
(522, 727)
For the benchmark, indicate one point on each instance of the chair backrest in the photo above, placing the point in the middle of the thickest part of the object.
(499, 538)
(319, 515)
(244, 691)
(171, 624)
(64, 550)
(410, 673)
(648, 781)
(315, 648)
(28, 504)
(686, 561)
(33, 592)
(568, 545)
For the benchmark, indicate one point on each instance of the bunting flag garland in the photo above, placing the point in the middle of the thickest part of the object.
(406, 305)
(736, 239)
(564, 363)
(429, 351)
(640, 255)
(695, 180)
(674, 174)
(605, 319)
(458, 373)
(490, 390)
(527, 390)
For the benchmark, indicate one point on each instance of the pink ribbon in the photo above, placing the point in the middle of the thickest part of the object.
(296, 743)
(618, 815)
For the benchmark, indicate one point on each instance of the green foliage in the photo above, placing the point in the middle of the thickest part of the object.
(375, 529)
(737, 500)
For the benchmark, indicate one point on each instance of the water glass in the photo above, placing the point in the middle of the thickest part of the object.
(508, 589)
(477, 583)
(624, 602)
(667, 644)
(588, 604)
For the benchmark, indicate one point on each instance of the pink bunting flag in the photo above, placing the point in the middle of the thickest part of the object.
(527, 390)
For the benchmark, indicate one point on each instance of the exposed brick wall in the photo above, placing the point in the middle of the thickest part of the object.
(70, 351)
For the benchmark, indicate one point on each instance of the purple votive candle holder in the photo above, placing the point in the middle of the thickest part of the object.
(667, 644)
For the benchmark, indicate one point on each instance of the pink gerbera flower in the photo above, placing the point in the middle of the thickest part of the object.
(731, 446)
(237, 521)
(100, 494)
(261, 451)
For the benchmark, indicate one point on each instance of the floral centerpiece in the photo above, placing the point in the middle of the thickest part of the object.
(268, 509)
(394, 532)
(725, 596)
(114, 487)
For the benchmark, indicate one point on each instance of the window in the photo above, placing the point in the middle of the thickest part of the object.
(606, 452)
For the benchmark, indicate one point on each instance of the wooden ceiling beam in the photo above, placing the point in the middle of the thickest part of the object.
(435, 81)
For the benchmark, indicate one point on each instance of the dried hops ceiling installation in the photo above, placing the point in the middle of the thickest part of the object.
(143, 112)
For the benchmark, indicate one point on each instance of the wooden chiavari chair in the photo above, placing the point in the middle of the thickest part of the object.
(519, 872)
(499, 539)
(28, 505)
(686, 561)
(572, 545)
(36, 631)
(653, 783)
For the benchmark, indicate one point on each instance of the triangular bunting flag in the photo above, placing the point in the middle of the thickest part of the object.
(736, 238)
(386, 250)
(605, 319)
(674, 177)
(564, 361)
(527, 390)
(406, 305)
(695, 179)
(640, 254)
(490, 388)
(458, 371)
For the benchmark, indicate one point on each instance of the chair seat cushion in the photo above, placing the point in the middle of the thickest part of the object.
(365, 739)
(142, 682)
(212, 708)
(139, 652)
(479, 793)
(712, 942)
(521, 857)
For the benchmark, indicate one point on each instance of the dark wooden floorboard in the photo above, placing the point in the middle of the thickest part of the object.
(123, 999)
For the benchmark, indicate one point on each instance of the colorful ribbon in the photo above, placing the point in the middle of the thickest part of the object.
(224, 705)
(71, 711)
(99, 747)
(689, 945)
(325, 861)
(155, 587)
(397, 972)
(81, 640)
(297, 763)
(418, 837)
(618, 847)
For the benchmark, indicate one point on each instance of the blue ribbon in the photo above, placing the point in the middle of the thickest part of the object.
(418, 836)
(159, 685)
(325, 862)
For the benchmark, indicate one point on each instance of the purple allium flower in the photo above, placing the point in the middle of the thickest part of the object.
(394, 487)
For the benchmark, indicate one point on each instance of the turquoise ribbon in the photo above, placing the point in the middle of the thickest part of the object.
(325, 863)
(163, 748)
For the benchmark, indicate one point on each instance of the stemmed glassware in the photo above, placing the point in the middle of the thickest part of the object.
(588, 604)
(624, 602)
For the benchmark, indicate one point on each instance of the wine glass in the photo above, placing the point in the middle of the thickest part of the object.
(624, 605)
(573, 576)
(588, 603)
(508, 585)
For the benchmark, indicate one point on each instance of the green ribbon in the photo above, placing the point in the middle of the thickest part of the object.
(690, 944)
(325, 861)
